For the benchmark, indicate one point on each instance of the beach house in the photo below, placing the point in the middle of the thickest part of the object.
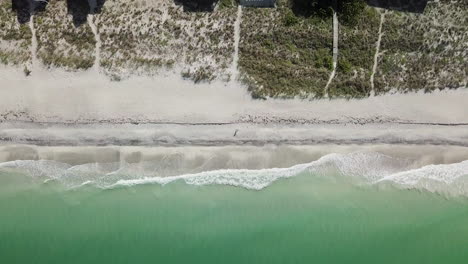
(258, 3)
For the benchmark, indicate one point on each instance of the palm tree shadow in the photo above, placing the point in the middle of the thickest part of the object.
(24, 9)
(324, 8)
(80, 9)
(197, 5)
(411, 6)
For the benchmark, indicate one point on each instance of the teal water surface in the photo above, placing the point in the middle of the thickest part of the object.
(304, 219)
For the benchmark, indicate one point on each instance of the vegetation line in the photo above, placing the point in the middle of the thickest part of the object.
(377, 54)
(97, 50)
(335, 52)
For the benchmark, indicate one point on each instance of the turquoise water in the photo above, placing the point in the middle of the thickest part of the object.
(303, 219)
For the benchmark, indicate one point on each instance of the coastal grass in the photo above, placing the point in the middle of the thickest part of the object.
(145, 38)
(282, 53)
(60, 43)
(425, 51)
(15, 38)
(355, 58)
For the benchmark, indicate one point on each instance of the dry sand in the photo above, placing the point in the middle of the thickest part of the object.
(53, 107)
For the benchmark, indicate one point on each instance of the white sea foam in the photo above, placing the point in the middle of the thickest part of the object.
(443, 178)
(358, 166)
(38, 168)
(369, 168)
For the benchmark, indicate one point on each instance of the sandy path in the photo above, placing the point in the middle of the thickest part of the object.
(235, 60)
(97, 52)
(377, 53)
(33, 44)
(335, 52)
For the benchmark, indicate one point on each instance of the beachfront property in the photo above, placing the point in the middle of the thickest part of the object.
(258, 3)
(413, 6)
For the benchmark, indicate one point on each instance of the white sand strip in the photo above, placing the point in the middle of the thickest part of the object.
(61, 97)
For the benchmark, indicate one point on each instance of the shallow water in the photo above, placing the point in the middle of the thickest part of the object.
(308, 218)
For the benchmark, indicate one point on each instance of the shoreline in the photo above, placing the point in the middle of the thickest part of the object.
(229, 156)
(433, 168)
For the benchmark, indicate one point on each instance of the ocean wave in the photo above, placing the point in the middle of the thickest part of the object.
(451, 179)
(371, 168)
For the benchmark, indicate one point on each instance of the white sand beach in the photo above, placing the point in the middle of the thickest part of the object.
(54, 107)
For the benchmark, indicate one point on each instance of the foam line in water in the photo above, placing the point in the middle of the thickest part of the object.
(369, 168)
(443, 178)
(358, 166)
(250, 179)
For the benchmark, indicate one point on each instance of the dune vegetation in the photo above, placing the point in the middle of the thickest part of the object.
(283, 52)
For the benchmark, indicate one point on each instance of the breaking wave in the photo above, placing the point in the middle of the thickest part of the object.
(369, 168)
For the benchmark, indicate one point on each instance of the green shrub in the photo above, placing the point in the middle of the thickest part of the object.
(225, 3)
(323, 59)
(350, 11)
(344, 65)
(290, 19)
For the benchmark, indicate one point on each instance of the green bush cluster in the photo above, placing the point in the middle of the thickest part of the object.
(349, 10)
(226, 3)
(323, 59)
(290, 19)
(429, 58)
(284, 52)
(344, 65)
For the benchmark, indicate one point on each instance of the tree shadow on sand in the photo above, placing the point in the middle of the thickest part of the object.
(80, 9)
(306, 8)
(26, 8)
(324, 8)
(412, 6)
(197, 5)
